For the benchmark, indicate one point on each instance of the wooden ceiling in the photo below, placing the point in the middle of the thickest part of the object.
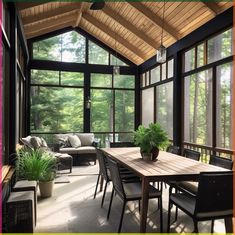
(131, 28)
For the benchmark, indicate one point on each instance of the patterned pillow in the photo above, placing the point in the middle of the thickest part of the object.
(36, 142)
(43, 143)
(74, 141)
(26, 141)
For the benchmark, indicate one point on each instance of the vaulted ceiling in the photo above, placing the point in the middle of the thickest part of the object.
(131, 28)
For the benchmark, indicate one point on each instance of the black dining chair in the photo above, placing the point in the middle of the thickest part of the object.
(221, 162)
(192, 154)
(173, 149)
(129, 192)
(121, 144)
(214, 199)
(104, 172)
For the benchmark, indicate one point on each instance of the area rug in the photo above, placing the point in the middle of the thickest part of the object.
(61, 179)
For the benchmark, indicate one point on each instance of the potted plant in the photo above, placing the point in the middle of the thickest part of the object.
(37, 165)
(150, 139)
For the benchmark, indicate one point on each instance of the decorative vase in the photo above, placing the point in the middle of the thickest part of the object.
(46, 188)
(155, 152)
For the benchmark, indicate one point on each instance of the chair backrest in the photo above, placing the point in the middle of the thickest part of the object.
(121, 144)
(173, 149)
(192, 154)
(116, 178)
(215, 193)
(102, 164)
(221, 161)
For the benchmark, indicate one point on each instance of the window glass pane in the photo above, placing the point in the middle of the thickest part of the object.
(198, 108)
(125, 137)
(44, 77)
(155, 75)
(97, 55)
(147, 106)
(170, 68)
(67, 47)
(189, 60)
(72, 78)
(124, 81)
(164, 71)
(101, 80)
(200, 55)
(224, 105)
(142, 77)
(115, 61)
(124, 110)
(164, 109)
(220, 46)
(147, 78)
(101, 110)
(56, 109)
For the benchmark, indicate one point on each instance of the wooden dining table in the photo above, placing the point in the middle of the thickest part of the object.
(168, 167)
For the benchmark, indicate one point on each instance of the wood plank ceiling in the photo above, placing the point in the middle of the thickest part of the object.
(131, 28)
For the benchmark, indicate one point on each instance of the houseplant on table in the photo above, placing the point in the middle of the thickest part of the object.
(37, 165)
(150, 139)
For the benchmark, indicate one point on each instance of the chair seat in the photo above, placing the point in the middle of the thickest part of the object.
(133, 191)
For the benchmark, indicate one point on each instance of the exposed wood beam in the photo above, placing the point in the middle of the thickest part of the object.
(213, 7)
(125, 23)
(155, 19)
(55, 12)
(52, 23)
(79, 15)
(114, 36)
(25, 5)
(49, 30)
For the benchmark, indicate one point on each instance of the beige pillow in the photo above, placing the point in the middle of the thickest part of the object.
(26, 141)
(36, 142)
(74, 141)
(43, 142)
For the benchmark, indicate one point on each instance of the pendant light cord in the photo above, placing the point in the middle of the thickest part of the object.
(163, 16)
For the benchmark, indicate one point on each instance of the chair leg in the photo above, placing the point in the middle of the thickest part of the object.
(212, 226)
(121, 219)
(105, 187)
(110, 204)
(169, 217)
(96, 187)
(176, 214)
(195, 226)
(139, 205)
(161, 220)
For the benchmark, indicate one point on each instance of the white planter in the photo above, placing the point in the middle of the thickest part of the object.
(46, 188)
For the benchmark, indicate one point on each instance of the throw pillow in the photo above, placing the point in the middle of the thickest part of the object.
(26, 141)
(36, 142)
(74, 141)
(43, 142)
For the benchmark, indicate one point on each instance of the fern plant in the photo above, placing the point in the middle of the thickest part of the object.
(150, 137)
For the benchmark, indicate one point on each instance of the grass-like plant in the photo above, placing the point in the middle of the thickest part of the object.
(150, 137)
(35, 165)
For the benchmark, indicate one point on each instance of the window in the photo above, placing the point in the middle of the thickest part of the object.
(101, 80)
(220, 46)
(164, 107)
(198, 108)
(97, 55)
(147, 106)
(56, 109)
(72, 78)
(224, 105)
(67, 47)
(170, 68)
(124, 81)
(115, 61)
(201, 55)
(189, 60)
(156, 75)
(44, 77)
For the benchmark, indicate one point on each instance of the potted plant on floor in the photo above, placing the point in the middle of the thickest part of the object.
(37, 165)
(150, 139)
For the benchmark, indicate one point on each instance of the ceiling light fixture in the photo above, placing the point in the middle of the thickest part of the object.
(161, 51)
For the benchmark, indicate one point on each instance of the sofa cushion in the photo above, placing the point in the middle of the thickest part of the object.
(81, 150)
(74, 141)
(36, 142)
(26, 141)
(87, 139)
(63, 139)
(43, 143)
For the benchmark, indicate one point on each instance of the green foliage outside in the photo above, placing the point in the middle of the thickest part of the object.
(149, 137)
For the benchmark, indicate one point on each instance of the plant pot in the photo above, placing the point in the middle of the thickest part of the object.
(155, 152)
(146, 156)
(46, 188)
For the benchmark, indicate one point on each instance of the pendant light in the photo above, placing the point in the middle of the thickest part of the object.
(161, 51)
(116, 68)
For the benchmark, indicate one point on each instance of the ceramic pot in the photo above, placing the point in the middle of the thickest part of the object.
(46, 188)
(155, 152)
(146, 156)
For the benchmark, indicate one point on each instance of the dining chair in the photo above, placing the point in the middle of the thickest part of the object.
(214, 199)
(221, 162)
(192, 154)
(121, 144)
(104, 172)
(129, 192)
(173, 149)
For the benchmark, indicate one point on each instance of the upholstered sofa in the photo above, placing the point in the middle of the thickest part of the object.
(81, 146)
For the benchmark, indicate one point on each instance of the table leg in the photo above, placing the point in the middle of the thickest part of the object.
(101, 183)
(144, 204)
(228, 225)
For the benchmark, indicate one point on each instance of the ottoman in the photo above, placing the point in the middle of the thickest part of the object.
(65, 161)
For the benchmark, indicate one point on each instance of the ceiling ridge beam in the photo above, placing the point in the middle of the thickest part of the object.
(49, 29)
(213, 7)
(55, 12)
(79, 14)
(114, 36)
(130, 27)
(51, 23)
(155, 19)
(25, 5)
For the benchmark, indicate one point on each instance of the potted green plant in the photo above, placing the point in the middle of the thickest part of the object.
(37, 165)
(150, 139)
